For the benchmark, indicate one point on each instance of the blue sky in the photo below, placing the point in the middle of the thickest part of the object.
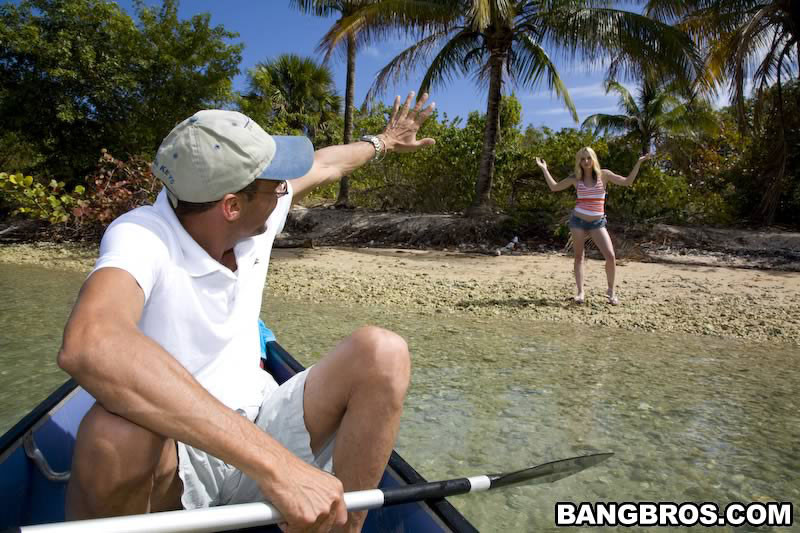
(269, 28)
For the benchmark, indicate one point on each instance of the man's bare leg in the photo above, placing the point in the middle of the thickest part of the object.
(120, 468)
(359, 388)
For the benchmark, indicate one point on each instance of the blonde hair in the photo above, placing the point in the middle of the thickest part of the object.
(595, 163)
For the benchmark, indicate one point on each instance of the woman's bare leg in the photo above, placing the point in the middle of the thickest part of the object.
(578, 242)
(603, 242)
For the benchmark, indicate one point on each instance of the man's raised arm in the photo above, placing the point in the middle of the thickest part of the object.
(334, 162)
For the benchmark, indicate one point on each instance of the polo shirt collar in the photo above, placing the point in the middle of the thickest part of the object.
(195, 260)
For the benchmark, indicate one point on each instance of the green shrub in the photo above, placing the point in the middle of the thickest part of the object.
(24, 196)
(113, 189)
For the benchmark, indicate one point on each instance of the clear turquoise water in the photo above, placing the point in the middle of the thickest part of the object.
(688, 418)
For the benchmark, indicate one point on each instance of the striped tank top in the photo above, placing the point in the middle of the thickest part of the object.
(591, 200)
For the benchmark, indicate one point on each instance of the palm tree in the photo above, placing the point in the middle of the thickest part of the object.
(746, 40)
(263, 102)
(326, 8)
(297, 91)
(657, 111)
(504, 40)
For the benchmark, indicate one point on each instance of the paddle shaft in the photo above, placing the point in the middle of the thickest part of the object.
(261, 514)
(256, 514)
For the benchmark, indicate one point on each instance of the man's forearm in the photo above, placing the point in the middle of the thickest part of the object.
(349, 157)
(343, 159)
(133, 377)
(332, 163)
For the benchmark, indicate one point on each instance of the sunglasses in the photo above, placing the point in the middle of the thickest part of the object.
(281, 190)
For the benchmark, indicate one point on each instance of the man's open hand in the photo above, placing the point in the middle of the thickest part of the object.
(400, 134)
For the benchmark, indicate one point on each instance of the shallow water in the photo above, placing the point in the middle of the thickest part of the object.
(688, 418)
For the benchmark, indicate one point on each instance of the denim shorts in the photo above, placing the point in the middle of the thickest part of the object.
(576, 222)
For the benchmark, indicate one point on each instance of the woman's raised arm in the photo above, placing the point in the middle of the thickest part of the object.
(626, 182)
(554, 186)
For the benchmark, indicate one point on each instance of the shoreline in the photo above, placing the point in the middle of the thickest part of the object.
(747, 304)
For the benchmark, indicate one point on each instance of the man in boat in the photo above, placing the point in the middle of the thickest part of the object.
(165, 336)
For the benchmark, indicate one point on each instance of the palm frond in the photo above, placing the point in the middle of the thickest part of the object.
(772, 61)
(479, 14)
(530, 64)
(603, 123)
(320, 8)
(378, 20)
(404, 63)
(637, 42)
(460, 54)
(667, 11)
(626, 101)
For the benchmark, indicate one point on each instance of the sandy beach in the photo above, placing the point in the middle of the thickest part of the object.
(759, 305)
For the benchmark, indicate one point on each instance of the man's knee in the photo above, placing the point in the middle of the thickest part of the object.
(384, 358)
(112, 452)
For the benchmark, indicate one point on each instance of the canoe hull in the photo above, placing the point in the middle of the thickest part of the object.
(28, 497)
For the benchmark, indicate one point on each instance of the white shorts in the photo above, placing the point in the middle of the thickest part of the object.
(209, 482)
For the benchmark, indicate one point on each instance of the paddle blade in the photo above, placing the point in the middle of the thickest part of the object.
(548, 472)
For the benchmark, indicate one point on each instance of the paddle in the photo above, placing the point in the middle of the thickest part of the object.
(261, 514)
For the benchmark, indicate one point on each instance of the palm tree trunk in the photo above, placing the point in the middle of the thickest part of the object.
(483, 185)
(343, 200)
(771, 199)
(768, 207)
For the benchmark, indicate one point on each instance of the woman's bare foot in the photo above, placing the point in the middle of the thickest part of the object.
(612, 298)
(578, 299)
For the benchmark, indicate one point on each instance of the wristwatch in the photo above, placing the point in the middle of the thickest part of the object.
(380, 151)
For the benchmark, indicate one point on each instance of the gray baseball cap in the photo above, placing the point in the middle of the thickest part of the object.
(215, 152)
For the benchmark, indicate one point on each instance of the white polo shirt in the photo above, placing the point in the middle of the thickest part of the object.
(197, 309)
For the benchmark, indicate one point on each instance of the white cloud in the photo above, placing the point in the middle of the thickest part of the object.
(551, 111)
(596, 90)
(587, 91)
(582, 112)
(371, 51)
(608, 110)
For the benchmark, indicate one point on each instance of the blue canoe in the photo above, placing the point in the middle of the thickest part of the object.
(36, 454)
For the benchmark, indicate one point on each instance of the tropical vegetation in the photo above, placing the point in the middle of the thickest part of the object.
(293, 95)
(499, 40)
(748, 42)
(653, 115)
(348, 48)
(84, 69)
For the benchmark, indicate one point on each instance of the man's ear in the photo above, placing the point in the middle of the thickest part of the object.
(231, 205)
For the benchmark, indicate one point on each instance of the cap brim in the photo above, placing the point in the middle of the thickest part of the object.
(294, 156)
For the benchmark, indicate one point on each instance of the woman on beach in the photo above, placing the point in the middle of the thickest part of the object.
(588, 219)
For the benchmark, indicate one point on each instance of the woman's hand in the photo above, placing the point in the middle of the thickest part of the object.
(644, 158)
(542, 163)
